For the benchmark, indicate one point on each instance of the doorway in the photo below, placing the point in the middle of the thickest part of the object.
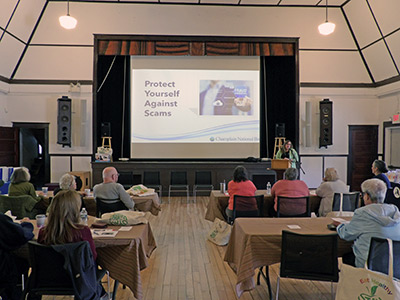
(363, 150)
(34, 151)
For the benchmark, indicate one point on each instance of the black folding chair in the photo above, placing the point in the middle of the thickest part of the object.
(243, 207)
(151, 179)
(350, 201)
(178, 183)
(202, 182)
(378, 256)
(293, 207)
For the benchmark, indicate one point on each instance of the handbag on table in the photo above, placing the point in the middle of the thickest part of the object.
(364, 284)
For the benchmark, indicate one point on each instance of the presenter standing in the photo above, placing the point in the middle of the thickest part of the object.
(287, 152)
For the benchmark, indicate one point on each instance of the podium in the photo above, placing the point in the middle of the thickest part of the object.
(280, 166)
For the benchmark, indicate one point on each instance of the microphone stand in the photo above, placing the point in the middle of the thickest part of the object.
(298, 163)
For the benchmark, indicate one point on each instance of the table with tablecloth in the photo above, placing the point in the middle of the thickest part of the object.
(256, 242)
(219, 201)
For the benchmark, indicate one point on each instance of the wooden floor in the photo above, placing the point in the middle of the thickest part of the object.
(187, 266)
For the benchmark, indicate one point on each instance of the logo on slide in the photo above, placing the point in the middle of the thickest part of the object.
(212, 139)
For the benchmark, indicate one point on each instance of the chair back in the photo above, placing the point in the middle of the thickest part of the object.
(309, 256)
(350, 201)
(53, 275)
(393, 196)
(178, 178)
(103, 207)
(203, 178)
(151, 178)
(293, 207)
(125, 179)
(261, 180)
(247, 206)
(378, 256)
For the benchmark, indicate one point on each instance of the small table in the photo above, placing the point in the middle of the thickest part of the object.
(219, 201)
(256, 242)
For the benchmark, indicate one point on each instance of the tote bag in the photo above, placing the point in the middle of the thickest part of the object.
(220, 232)
(363, 284)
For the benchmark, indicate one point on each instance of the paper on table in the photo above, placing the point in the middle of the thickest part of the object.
(340, 220)
(125, 228)
(294, 226)
(103, 233)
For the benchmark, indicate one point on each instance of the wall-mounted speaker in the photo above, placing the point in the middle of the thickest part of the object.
(325, 123)
(64, 121)
(279, 129)
(105, 129)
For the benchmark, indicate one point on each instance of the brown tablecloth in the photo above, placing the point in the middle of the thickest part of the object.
(219, 201)
(256, 242)
(124, 255)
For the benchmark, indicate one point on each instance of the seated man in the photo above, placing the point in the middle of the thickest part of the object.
(290, 186)
(376, 219)
(111, 192)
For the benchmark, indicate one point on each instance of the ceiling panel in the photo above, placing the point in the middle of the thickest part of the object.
(11, 49)
(337, 67)
(387, 14)
(362, 22)
(379, 61)
(393, 42)
(64, 63)
(25, 18)
(7, 7)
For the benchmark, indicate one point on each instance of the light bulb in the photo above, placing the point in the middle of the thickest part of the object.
(326, 28)
(68, 22)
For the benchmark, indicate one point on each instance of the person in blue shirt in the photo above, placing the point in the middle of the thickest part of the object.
(375, 219)
(378, 168)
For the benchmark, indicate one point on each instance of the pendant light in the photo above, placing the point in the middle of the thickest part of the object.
(327, 27)
(67, 21)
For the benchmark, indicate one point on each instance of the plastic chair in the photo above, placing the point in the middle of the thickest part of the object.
(242, 207)
(202, 182)
(178, 183)
(309, 257)
(49, 275)
(378, 256)
(152, 180)
(261, 180)
(350, 201)
(293, 207)
(103, 207)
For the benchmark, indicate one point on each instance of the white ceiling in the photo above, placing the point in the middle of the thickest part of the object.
(365, 47)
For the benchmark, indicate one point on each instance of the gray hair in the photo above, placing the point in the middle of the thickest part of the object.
(66, 181)
(291, 174)
(331, 174)
(20, 175)
(375, 188)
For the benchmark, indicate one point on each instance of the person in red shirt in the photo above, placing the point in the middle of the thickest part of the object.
(240, 185)
(290, 186)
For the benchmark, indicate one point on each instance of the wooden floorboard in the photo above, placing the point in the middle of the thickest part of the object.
(187, 266)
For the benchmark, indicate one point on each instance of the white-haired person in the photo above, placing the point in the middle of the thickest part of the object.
(375, 219)
(68, 182)
(331, 184)
(20, 184)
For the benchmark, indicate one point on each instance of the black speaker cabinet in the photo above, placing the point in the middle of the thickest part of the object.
(279, 129)
(105, 129)
(64, 121)
(325, 123)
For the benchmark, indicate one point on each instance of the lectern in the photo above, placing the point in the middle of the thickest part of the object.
(279, 166)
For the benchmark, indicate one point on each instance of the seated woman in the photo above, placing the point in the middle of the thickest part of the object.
(20, 184)
(375, 219)
(331, 185)
(290, 186)
(64, 223)
(68, 182)
(240, 185)
(378, 168)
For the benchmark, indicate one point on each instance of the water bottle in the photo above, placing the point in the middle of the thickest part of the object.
(269, 188)
(84, 216)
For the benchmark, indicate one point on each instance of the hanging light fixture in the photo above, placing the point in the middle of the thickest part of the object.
(67, 21)
(327, 27)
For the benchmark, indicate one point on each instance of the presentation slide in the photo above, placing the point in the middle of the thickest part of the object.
(194, 107)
